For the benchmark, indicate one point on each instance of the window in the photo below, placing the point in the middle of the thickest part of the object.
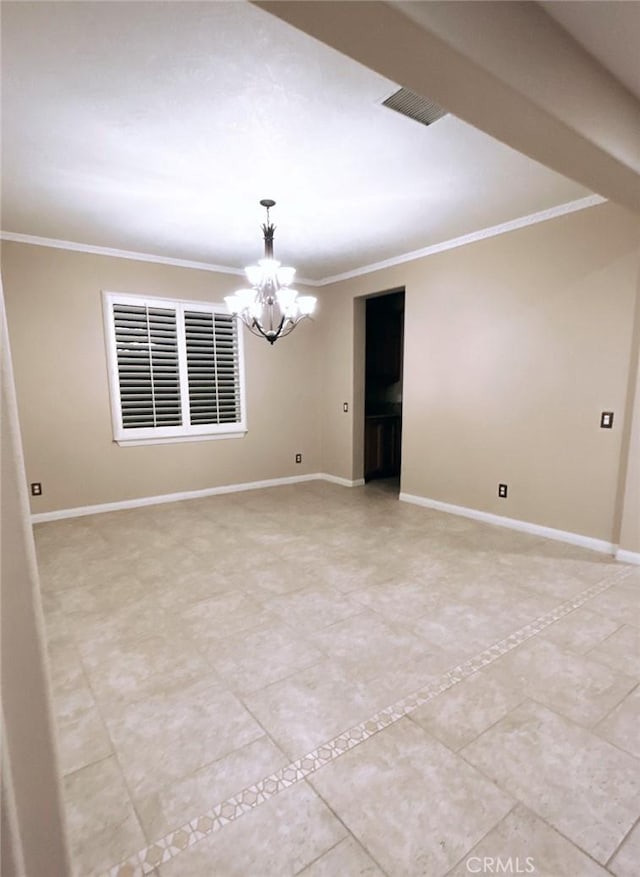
(176, 370)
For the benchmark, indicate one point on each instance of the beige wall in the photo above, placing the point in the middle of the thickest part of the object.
(33, 839)
(513, 347)
(629, 530)
(54, 309)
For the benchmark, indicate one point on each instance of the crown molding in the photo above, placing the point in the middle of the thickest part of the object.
(115, 253)
(472, 237)
(36, 241)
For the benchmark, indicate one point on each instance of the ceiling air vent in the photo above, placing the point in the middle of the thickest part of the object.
(414, 106)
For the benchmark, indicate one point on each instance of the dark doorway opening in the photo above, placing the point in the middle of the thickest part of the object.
(383, 387)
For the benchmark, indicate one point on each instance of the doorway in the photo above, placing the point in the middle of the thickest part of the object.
(384, 344)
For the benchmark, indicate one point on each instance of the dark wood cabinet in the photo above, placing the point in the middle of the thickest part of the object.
(382, 436)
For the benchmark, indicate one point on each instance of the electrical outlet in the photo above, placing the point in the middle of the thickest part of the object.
(606, 420)
(36, 488)
(345, 407)
(298, 458)
(502, 491)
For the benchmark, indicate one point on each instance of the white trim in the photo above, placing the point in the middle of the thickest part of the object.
(115, 253)
(167, 497)
(134, 443)
(345, 482)
(512, 523)
(472, 237)
(168, 434)
(80, 511)
(481, 234)
(625, 556)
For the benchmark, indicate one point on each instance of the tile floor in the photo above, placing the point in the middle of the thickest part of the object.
(327, 682)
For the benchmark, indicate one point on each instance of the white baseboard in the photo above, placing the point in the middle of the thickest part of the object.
(625, 556)
(167, 497)
(345, 482)
(513, 524)
(80, 511)
(486, 517)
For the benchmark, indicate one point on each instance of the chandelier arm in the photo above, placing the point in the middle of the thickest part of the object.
(270, 337)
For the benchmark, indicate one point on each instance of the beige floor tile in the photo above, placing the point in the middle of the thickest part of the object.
(81, 735)
(276, 839)
(166, 737)
(400, 600)
(311, 707)
(574, 685)
(271, 579)
(184, 587)
(183, 800)
(252, 660)
(78, 565)
(584, 787)
(486, 537)
(546, 570)
(619, 603)
(70, 687)
(625, 861)
(347, 859)
(622, 725)
(413, 804)
(57, 626)
(524, 844)
(104, 595)
(402, 678)
(365, 645)
(218, 617)
(462, 622)
(102, 826)
(463, 712)
(305, 552)
(139, 616)
(82, 740)
(167, 563)
(621, 651)
(140, 668)
(630, 577)
(346, 572)
(264, 582)
(313, 608)
(580, 631)
(582, 560)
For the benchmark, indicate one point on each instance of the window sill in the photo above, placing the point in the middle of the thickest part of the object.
(172, 440)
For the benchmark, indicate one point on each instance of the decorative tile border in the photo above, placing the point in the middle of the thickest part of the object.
(151, 857)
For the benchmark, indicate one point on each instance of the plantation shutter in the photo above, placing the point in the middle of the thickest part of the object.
(213, 368)
(147, 364)
(176, 370)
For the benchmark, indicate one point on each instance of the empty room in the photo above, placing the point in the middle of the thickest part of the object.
(320, 439)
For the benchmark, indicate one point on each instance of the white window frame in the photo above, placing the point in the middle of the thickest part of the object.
(166, 434)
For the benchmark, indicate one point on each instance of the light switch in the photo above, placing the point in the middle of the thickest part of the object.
(606, 420)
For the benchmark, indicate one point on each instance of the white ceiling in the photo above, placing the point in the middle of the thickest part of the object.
(157, 128)
(608, 30)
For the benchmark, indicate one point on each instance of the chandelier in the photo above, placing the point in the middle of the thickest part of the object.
(270, 308)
